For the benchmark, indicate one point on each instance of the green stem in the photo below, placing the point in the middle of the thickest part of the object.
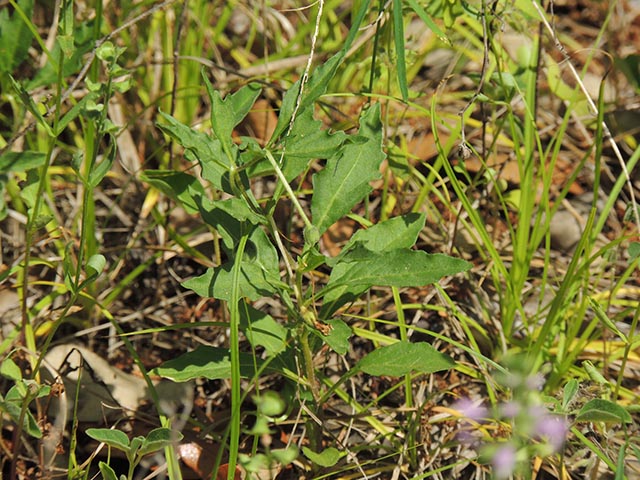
(234, 347)
(307, 355)
(287, 187)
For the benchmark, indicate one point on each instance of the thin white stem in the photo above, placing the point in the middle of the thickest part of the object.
(594, 108)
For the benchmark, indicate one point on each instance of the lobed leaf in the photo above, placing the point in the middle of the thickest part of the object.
(398, 268)
(201, 148)
(393, 234)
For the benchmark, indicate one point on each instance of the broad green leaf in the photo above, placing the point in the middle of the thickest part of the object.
(393, 234)
(270, 403)
(201, 148)
(308, 141)
(599, 410)
(285, 455)
(402, 358)
(338, 338)
(217, 282)
(213, 363)
(16, 36)
(227, 217)
(10, 370)
(260, 270)
(157, 439)
(21, 161)
(327, 458)
(344, 181)
(107, 472)
(315, 87)
(569, 393)
(262, 330)
(13, 406)
(243, 100)
(634, 250)
(398, 268)
(114, 438)
(176, 185)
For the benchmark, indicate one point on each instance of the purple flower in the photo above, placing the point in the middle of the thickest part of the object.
(510, 409)
(535, 382)
(472, 410)
(504, 461)
(552, 428)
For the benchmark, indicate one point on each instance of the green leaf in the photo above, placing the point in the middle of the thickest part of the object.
(107, 472)
(222, 117)
(217, 282)
(315, 87)
(10, 370)
(599, 410)
(16, 36)
(95, 265)
(114, 438)
(393, 234)
(270, 403)
(227, 217)
(285, 455)
(338, 338)
(397, 268)
(243, 100)
(21, 161)
(569, 393)
(201, 148)
(307, 141)
(29, 189)
(634, 250)
(604, 318)
(13, 406)
(134, 447)
(344, 181)
(260, 273)
(205, 362)
(327, 458)
(157, 439)
(402, 358)
(176, 185)
(28, 102)
(100, 170)
(262, 330)
(424, 16)
(398, 38)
